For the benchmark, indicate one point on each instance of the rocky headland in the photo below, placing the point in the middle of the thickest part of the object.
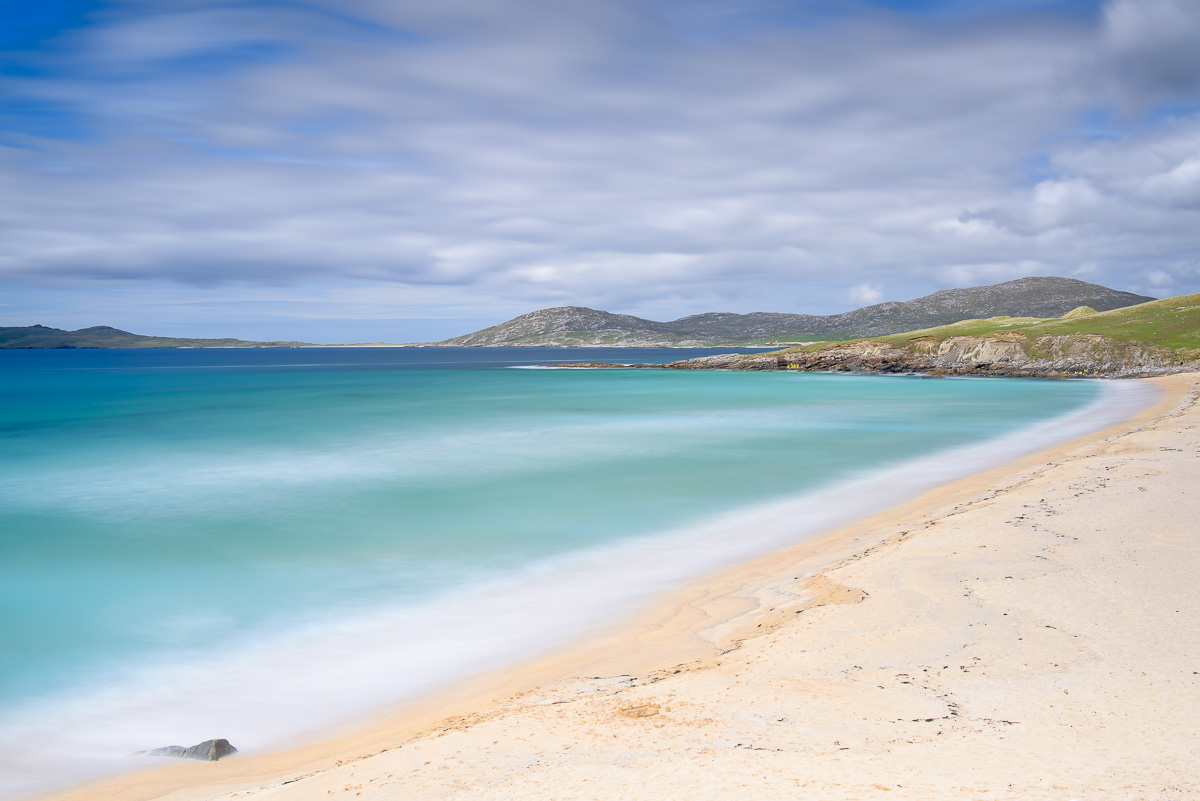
(1063, 356)
(1150, 339)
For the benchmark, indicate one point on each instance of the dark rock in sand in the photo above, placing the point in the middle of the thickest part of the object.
(209, 751)
(166, 750)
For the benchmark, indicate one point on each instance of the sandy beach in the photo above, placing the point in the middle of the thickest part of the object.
(1028, 632)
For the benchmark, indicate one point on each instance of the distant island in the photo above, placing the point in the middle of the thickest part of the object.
(102, 336)
(576, 326)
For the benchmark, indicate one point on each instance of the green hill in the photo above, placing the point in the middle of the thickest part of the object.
(1171, 323)
(1155, 338)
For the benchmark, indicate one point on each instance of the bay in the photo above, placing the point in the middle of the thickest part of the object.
(174, 517)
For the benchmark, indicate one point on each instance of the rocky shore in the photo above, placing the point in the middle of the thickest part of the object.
(1014, 355)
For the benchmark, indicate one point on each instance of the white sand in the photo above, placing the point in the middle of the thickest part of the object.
(1031, 632)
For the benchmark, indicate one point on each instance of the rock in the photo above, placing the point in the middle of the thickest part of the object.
(167, 750)
(209, 751)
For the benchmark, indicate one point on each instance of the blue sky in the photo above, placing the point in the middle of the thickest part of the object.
(371, 170)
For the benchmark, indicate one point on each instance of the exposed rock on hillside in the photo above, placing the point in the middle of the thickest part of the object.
(571, 326)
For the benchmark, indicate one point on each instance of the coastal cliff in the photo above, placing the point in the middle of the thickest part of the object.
(1155, 338)
(1050, 356)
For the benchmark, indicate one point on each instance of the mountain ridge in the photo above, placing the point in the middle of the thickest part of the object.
(579, 326)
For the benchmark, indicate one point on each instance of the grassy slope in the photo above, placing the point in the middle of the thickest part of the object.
(1172, 323)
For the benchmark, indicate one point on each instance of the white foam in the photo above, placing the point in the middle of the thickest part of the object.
(263, 694)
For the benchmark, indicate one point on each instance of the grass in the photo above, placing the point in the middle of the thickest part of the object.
(1171, 323)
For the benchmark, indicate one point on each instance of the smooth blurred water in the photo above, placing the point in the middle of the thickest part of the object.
(162, 509)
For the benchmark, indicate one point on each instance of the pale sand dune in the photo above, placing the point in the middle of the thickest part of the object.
(1031, 632)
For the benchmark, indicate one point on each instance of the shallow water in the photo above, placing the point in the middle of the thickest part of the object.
(254, 543)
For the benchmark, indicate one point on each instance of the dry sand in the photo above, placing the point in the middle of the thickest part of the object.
(1030, 632)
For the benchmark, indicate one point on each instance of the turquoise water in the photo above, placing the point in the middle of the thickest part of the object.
(164, 509)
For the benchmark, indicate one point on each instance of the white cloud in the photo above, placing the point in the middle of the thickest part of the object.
(1159, 278)
(865, 294)
(1177, 187)
(1062, 202)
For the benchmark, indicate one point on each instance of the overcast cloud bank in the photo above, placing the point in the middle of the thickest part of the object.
(371, 169)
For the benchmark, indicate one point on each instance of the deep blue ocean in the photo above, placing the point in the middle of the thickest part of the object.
(257, 543)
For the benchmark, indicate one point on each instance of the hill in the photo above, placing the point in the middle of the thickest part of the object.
(103, 336)
(576, 326)
(1162, 336)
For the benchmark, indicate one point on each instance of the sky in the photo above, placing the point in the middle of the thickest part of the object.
(393, 170)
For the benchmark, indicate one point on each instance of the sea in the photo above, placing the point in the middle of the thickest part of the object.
(259, 544)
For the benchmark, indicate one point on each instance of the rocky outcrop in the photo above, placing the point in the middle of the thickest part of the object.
(208, 751)
(1060, 356)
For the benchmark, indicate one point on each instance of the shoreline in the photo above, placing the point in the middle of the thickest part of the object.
(689, 632)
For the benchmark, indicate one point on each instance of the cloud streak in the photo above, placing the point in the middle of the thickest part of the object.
(655, 158)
